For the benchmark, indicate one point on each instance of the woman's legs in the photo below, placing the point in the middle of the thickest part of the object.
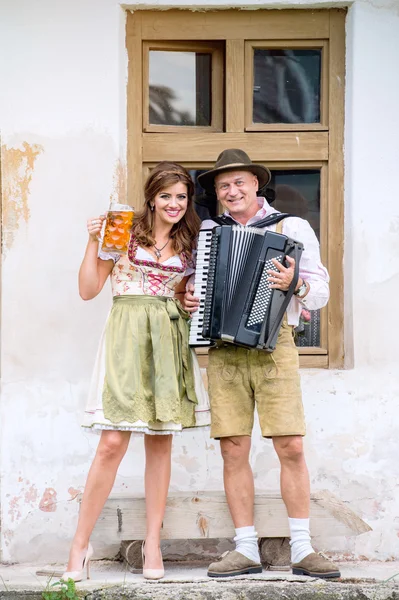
(158, 451)
(111, 449)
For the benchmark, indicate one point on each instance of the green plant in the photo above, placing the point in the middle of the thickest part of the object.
(63, 590)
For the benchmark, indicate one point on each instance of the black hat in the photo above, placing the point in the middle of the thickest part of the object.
(233, 159)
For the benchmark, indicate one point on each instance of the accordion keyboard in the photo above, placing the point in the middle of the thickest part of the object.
(200, 283)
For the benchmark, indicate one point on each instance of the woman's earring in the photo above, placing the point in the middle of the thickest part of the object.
(151, 207)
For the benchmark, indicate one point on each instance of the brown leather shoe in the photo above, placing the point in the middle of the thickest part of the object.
(233, 563)
(316, 565)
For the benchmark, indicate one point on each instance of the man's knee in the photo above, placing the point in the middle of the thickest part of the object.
(235, 450)
(289, 448)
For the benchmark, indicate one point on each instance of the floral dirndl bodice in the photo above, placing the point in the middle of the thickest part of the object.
(137, 273)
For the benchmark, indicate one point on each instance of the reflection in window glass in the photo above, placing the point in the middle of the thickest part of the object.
(205, 205)
(298, 192)
(308, 331)
(180, 88)
(286, 86)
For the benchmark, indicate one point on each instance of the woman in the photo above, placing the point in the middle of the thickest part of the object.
(144, 375)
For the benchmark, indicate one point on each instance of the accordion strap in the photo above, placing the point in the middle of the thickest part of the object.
(266, 222)
(262, 343)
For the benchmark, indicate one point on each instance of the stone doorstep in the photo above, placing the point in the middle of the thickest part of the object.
(248, 590)
(113, 581)
(227, 590)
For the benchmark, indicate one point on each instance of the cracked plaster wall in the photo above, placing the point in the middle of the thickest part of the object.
(63, 125)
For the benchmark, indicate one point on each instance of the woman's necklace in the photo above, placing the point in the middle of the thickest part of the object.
(158, 251)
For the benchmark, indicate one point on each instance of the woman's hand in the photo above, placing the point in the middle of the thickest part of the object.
(94, 227)
(93, 271)
(190, 302)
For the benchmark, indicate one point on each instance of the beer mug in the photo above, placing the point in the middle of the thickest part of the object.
(117, 228)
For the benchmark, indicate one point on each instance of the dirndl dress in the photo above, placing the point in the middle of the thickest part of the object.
(146, 378)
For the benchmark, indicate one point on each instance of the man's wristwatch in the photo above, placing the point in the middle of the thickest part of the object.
(301, 291)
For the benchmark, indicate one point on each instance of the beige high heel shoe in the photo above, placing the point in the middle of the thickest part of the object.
(151, 573)
(78, 575)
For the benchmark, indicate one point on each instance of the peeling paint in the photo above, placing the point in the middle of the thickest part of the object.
(14, 510)
(25, 496)
(17, 171)
(119, 187)
(8, 534)
(48, 503)
(74, 493)
(189, 462)
(31, 495)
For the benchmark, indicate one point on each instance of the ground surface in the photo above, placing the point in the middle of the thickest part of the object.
(113, 581)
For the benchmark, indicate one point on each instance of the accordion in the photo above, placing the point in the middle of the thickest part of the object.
(237, 304)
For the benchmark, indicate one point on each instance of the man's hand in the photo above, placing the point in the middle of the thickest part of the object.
(282, 279)
(190, 303)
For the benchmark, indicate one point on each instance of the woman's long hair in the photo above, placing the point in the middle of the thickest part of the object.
(183, 233)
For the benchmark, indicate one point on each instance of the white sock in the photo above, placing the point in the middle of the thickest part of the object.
(246, 540)
(300, 539)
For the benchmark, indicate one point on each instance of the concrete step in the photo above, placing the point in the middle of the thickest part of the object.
(112, 581)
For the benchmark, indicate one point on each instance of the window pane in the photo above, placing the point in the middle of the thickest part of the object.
(180, 88)
(298, 193)
(286, 86)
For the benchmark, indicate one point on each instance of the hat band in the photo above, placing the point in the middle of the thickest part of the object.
(235, 165)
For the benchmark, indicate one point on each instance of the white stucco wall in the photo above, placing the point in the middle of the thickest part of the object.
(62, 107)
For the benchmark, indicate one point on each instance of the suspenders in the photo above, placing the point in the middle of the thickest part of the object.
(279, 226)
(270, 220)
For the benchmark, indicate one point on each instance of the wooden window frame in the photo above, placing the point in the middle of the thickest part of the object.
(250, 46)
(216, 50)
(296, 148)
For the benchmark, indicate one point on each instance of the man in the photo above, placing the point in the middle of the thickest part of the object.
(240, 377)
